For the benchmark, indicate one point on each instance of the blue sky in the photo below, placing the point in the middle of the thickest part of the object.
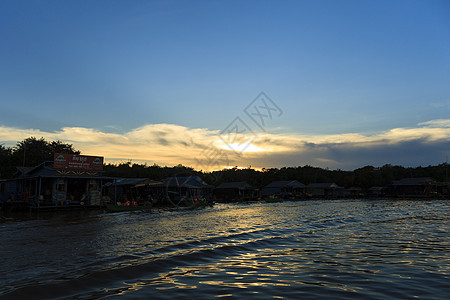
(96, 73)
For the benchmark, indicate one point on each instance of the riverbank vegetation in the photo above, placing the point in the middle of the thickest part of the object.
(32, 151)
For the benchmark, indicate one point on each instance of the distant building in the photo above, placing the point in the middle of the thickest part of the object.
(376, 191)
(179, 189)
(355, 191)
(5, 189)
(235, 191)
(286, 188)
(414, 187)
(322, 189)
(139, 190)
(443, 188)
(70, 179)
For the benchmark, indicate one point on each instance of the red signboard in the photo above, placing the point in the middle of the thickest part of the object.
(78, 162)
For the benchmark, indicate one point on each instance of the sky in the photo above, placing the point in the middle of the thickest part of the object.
(212, 84)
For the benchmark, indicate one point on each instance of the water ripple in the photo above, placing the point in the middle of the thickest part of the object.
(311, 249)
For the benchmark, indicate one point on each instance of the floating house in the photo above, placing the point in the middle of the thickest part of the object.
(325, 189)
(138, 190)
(354, 191)
(414, 187)
(376, 191)
(7, 190)
(186, 189)
(443, 188)
(68, 180)
(232, 191)
(286, 188)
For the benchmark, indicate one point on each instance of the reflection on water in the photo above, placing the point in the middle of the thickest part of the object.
(326, 249)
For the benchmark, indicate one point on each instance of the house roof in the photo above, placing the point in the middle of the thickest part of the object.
(24, 170)
(128, 181)
(187, 182)
(242, 185)
(42, 169)
(285, 183)
(323, 185)
(46, 169)
(376, 188)
(149, 182)
(414, 181)
(354, 189)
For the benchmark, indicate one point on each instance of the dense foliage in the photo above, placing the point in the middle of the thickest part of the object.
(29, 153)
(365, 177)
(32, 151)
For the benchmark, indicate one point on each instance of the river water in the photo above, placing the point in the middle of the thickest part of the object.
(290, 250)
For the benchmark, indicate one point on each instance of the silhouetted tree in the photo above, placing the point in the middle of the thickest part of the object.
(30, 152)
(33, 151)
(5, 158)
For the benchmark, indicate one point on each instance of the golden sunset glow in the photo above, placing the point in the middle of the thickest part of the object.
(244, 147)
(168, 144)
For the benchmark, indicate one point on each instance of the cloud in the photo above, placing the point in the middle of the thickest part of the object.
(436, 123)
(201, 148)
(165, 144)
(428, 143)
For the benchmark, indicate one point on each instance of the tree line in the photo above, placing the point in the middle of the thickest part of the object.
(29, 153)
(33, 151)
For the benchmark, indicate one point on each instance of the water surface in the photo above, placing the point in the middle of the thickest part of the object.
(291, 250)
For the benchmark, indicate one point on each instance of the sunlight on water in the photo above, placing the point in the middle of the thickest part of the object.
(312, 249)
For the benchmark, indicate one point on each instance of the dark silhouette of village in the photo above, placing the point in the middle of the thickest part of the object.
(30, 176)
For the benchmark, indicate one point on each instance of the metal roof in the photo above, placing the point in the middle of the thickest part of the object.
(285, 183)
(323, 185)
(414, 181)
(128, 181)
(187, 182)
(242, 185)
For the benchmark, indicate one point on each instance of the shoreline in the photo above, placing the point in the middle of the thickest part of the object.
(8, 209)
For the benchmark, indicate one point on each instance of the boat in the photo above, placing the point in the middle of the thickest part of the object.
(273, 199)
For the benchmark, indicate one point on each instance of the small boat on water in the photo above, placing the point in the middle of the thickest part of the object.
(120, 208)
(273, 199)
